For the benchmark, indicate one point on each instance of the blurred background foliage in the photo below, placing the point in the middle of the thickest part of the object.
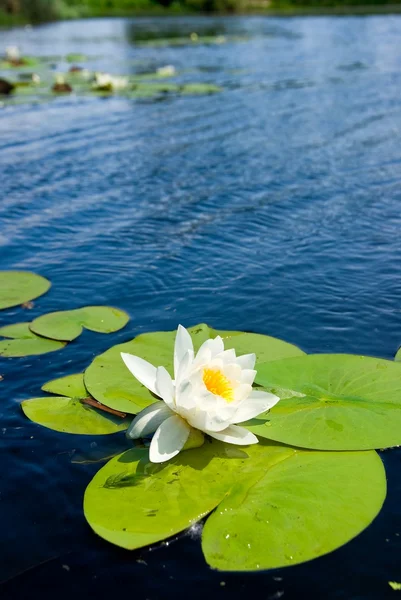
(19, 11)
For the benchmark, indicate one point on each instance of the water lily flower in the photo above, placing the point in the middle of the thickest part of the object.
(211, 392)
(107, 83)
(13, 53)
(167, 71)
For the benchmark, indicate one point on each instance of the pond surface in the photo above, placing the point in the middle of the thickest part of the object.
(274, 207)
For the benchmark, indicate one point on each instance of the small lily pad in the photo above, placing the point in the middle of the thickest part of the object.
(195, 89)
(17, 287)
(332, 402)
(67, 325)
(23, 342)
(69, 414)
(109, 381)
(76, 58)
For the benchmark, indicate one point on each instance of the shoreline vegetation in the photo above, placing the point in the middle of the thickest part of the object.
(22, 12)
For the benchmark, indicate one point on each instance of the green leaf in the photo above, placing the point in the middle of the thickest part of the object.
(23, 342)
(76, 57)
(133, 503)
(290, 508)
(200, 88)
(398, 355)
(69, 414)
(110, 382)
(17, 287)
(71, 386)
(68, 324)
(332, 402)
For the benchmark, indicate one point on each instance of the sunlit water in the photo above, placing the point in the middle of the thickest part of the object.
(272, 207)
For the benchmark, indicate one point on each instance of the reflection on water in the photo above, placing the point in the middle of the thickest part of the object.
(271, 207)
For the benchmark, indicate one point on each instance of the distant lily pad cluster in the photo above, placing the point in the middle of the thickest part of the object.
(20, 83)
(312, 483)
(52, 331)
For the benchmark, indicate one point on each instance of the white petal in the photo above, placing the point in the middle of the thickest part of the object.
(183, 367)
(202, 359)
(142, 370)
(228, 356)
(148, 420)
(242, 392)
(233, 372)
(165, 387)
(215, 346)
(169, 439)
(248, 376)
(183, 343)
(247, 361)
(254, 405)
(235, 435)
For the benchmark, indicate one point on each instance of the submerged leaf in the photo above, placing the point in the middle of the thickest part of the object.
(68, 324)
(23, 342)
(332, 402)
(69, 414)
(109, 381)
(17, 287)
(290, 506)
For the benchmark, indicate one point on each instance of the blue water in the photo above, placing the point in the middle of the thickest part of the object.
(273, 207)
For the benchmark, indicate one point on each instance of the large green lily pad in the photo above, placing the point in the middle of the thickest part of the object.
(276, 505)
(133, 503)
(109, 381)
(17, 287)
(288, 507)
(23, 342)
(68, 414)
(68, 324)
(332, 402)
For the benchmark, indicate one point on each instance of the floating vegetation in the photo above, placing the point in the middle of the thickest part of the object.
(67, 325)
(61, 86)
(30, 86)
(103, 82)
(17, 287)
(192, 39)
(109, 381)
(23, 342)
(275, 504)
(6, 87)
(72, 410)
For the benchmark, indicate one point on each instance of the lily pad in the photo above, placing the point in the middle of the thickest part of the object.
(199, 89)
(332, 402)
(289, 506)
(397, 357)
(133, 503)
(17, 287)
(23, 342)
(68, 414)
(76, 58)
(109, 381)
(68, 324)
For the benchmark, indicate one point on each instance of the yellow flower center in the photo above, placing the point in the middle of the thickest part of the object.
(217, 383)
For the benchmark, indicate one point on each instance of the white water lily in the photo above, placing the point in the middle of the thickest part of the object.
(13, 53)
(211, 392)
(106, 82)
(167, 71)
